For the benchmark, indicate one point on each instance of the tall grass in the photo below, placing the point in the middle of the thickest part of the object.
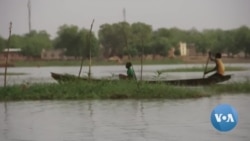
(96, 90)
(115, 90)
(231, 88)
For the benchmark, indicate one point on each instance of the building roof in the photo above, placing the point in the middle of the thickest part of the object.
(12, 50)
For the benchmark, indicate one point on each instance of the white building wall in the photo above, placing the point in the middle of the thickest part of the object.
(183, 49)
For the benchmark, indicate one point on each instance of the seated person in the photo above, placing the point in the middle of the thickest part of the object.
(130, 72)
(219, 67)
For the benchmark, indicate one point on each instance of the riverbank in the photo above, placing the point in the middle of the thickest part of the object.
(114, 90)
(13, 73)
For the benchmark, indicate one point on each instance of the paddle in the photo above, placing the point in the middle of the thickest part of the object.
(206, 65)
(134, 72)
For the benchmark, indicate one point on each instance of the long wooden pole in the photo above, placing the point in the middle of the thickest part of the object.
(7, 56)
(88, 45)
(29, 13)
(206, 66)
(142, 53)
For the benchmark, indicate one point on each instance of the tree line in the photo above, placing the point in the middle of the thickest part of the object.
(122, 38)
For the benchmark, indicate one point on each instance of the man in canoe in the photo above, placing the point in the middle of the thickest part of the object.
(219, 67)
(130, 72)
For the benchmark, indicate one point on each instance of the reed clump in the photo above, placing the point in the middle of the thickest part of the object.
(97, 90)
(78, 90)
(231, 88)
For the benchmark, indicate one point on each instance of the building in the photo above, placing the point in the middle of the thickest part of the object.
(183, 49)
(191, 51)
(53, 54)
(15, 54)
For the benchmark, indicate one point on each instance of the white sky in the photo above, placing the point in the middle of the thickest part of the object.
(184, 14)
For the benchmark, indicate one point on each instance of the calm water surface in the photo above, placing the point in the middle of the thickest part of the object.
(42, 74)
(121, 120)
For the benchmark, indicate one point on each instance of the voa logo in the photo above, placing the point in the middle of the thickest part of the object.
(224, 117)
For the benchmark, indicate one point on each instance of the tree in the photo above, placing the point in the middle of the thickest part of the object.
(17, 41)
(199, 40)
(2, 44)
(141, 36)
(67, 39)
(35, 42)
(209, 41)
(242, 39)
(160, 43)
(160, 46)
(87, 42)
(75, 41)
(114, 38)
(229, 43)
(162, 32)
(176, 36)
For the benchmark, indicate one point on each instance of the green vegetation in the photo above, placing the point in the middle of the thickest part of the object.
(75, 42)
(231, 88)
(31, 43)
(122, 38)
(13, 73)
(199, 69)
(95, 90)
(2, 43)
(114, 90)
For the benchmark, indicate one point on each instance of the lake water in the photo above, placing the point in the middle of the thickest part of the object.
(121, 120)
(42, 74)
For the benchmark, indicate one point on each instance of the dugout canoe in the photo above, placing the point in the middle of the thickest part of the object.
(182, 82)
(196, 81)
(66, 77)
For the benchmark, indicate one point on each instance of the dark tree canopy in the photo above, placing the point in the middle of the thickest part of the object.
(122, 38)
(75, 41)
(2, 43)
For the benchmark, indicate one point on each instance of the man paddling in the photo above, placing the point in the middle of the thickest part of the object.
(219, 67)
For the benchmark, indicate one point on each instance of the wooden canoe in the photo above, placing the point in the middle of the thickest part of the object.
(66, 77)
(195, 82)
(182, 82)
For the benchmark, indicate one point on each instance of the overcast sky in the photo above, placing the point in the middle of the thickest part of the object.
(184, 14)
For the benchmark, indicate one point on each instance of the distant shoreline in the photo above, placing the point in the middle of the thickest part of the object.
(202, 60)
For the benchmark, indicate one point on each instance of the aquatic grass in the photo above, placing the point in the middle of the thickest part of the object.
(14, 73)
(116, 90)
(95, 90)
(231, 88)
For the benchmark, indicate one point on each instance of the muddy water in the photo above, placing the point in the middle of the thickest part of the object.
(42, 74)
(120, 120)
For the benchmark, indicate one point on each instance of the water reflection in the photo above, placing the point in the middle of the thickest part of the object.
(120, 120)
